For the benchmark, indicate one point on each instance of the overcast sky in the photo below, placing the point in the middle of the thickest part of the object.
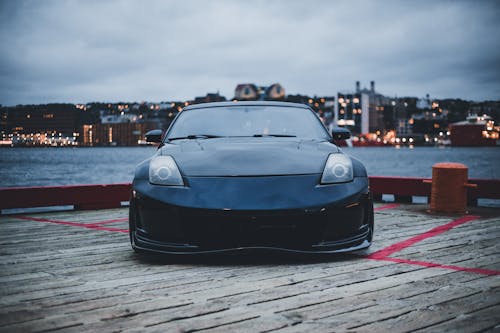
(83, 51)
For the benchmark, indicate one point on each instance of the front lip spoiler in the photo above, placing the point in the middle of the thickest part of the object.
(317, 249)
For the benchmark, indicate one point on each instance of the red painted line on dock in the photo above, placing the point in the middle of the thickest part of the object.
(384, 253)
(96, 227)
(37, 219)
(73, 224)
(123, 219)
(431, 264)
(390, 206)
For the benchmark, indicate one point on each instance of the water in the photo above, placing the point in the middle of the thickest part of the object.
(66, 166)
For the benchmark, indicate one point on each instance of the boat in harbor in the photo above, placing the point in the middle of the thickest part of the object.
(475, 131)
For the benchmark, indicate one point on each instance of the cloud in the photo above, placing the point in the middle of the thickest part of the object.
(79, 51)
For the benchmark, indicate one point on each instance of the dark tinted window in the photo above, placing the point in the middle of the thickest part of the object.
(249, 121)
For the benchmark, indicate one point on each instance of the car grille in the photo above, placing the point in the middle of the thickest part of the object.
(216, 229)
(240, 229)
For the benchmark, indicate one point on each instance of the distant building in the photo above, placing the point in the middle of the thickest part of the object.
(375, 108)
(250, 92)
(210, 97)
(51, 124)
(274, 92)
(323, 106)
(362, 111)
(61, 118)
(302, 99)
(116, 134)
(348, 112)
(119, 118)
(424, 103)
(429, 121)
(246, 92)
(352, 109)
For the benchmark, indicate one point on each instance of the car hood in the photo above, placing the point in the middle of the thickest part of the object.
(249, 156)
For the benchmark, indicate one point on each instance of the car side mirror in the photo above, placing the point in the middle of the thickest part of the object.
(340, 133)
(154, 136)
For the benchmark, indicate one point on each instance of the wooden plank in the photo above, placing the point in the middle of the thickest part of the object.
(482, 320)
(431, 314)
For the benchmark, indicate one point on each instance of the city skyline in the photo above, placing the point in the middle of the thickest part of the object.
(121, 51)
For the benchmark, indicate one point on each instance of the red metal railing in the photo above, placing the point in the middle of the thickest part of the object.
(111, 195)
(403, 188)
(81, 196)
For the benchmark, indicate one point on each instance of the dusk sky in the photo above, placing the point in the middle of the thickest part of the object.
(84, 51)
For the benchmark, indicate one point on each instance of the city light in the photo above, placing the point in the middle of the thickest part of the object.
(409, 121)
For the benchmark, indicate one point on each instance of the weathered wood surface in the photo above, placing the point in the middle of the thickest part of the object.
(75, 271)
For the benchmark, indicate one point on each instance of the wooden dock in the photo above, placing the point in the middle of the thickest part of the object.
(75, 272)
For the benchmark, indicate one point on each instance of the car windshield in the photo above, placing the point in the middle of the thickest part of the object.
(254, 121)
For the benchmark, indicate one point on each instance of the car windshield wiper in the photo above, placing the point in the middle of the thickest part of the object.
(275, 135)
(195, 136)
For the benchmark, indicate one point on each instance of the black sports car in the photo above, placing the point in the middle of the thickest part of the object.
(238, 175)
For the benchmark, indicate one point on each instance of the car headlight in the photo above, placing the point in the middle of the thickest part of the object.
(164, 171)
(338, 169)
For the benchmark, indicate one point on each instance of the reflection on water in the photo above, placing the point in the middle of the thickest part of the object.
(64, 166)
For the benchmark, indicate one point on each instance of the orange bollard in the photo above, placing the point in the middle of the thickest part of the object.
(449, 188)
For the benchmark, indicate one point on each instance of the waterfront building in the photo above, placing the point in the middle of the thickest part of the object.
(402, 109)
(429, 121)
(376, 104)
(349, 112)
(118, 118)
(116, 134)
(251, 92)
(39, 125)
(323, 106)
(424, 103)
(208, 98)
(246, 92)
(361, 111)
(274, 92)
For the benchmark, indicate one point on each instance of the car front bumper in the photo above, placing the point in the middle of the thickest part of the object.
(287, 213)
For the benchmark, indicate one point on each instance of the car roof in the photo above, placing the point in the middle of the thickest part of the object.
(245, 103)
